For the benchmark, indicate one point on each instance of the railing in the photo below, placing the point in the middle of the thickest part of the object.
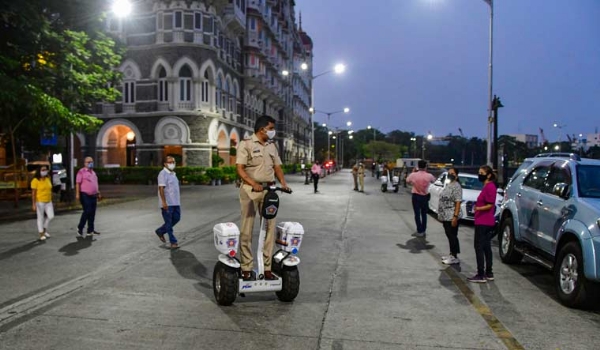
(187, 105)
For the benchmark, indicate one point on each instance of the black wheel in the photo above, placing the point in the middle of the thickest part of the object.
(506, 243)
(573, 289)
(383, 188)
(396, 188)
(225, 284)
(290, 277)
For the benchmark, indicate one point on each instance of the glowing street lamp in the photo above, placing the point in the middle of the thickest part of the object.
(121, 8)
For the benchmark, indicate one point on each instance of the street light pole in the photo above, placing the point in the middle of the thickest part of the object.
(490, 83)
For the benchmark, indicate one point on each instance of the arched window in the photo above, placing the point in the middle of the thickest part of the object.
(163, 87)
(218, 92)
(185, 83)
(225, 99)
(205, 87)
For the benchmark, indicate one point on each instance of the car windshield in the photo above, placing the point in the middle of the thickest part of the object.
(470, 183)
(588, 178)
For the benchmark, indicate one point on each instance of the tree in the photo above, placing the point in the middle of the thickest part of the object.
(54, 64)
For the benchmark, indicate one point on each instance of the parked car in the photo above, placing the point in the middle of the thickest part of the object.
(59, 173)
(471, 188)
(551, 214)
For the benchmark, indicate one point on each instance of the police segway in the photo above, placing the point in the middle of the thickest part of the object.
(387, 185)
(227, 274)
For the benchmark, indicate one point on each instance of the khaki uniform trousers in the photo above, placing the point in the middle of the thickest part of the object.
(251, 202)
(361, 181)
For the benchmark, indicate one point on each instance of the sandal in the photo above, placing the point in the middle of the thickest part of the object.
(174, 246)
(161, 237)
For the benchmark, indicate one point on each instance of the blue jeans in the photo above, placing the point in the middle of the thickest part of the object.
(483, 248)
(171, 217)
(419, 204)
(88, 203)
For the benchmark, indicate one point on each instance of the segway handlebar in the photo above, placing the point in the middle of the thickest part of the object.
(273, 188)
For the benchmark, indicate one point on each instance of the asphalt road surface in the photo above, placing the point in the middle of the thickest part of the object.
(366, 282)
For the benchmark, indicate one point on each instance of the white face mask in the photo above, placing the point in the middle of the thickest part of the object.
(44, 172)
(171, 166)
(270, 134)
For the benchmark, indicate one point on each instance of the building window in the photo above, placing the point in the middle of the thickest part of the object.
(178, 20)
(218, 92)
(129, 92)
(224, 102)
(205, 88)
(163, 87)
(185, 84)
(198, 21)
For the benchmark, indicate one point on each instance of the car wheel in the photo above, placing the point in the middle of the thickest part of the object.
(506, 243)
(573, 289)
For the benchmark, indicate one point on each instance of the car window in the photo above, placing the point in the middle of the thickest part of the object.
(470, 183)
(588, 179)
(521, 170)
(537, 178)
(560, 173)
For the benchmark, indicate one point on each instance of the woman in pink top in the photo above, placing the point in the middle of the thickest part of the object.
(485, 225)
(316, 174)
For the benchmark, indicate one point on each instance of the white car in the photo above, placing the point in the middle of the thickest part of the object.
(471, 187)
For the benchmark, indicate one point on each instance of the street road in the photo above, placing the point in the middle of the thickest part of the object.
(366, 283)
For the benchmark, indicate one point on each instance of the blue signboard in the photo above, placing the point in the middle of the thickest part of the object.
(49, 137)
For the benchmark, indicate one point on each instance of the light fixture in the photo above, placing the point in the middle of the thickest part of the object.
(304, 66)
(130, 136)
(346, 110)
(121, 8)
(339, 68)
(349, 123)
(285, 73)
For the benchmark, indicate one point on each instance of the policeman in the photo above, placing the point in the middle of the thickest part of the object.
(258, 164)
(361, 177)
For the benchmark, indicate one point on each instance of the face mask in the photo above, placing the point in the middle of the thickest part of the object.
(171, 166)
(482, 177)
(451, 177)
(270, 134)
(44, 172)
(90, 165)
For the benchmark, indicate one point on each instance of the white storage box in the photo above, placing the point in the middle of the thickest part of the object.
(227, 237)
(289, 236)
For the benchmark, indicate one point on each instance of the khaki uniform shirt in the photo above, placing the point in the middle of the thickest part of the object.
(259, 160)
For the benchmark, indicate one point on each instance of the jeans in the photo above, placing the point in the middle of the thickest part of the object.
(315, 180)
(171, 217)
(419, 204)
(452, 234)
(483, 248)
(88, 203)
(41, 209)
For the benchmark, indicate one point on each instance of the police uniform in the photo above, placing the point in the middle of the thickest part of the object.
(259, 161)
(361, 177)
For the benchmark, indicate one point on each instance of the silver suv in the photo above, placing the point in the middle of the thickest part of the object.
(551, 214)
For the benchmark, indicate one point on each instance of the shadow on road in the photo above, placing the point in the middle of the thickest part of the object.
(416, 245)
(72, 249)
(19, 250)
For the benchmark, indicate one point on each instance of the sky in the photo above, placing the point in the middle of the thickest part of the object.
(422, 65)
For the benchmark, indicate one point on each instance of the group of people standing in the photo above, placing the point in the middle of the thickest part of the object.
(449, 214)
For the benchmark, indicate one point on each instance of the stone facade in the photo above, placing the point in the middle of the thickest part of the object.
(197, 74)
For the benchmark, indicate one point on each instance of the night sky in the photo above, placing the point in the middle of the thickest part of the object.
(422, 65)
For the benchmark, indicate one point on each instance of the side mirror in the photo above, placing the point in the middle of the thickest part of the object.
(562, 190)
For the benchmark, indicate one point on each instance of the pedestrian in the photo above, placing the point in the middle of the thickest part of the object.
(485, 225)
(316, 174)
(88, 193)
(355, 176)
(380, 168)
(420, 180)
(257, 163)
(41, 198)
(448, 214)
(361, 177)
(404, 175)
(373, 166)
(168, 200)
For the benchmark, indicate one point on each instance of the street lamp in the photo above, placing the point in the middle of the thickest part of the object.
(429, 137)
(559, 127)
(338, 69)
(490, 82)
(413, 141)
(121, 8)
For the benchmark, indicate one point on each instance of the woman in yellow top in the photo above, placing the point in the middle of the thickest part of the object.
(41, 197)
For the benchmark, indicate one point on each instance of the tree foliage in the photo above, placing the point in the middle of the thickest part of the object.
(55, 64)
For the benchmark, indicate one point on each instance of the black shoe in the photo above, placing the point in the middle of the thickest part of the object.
(269, 276)
(96, 232)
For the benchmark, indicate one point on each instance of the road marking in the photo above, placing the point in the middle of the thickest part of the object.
(486, 313)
